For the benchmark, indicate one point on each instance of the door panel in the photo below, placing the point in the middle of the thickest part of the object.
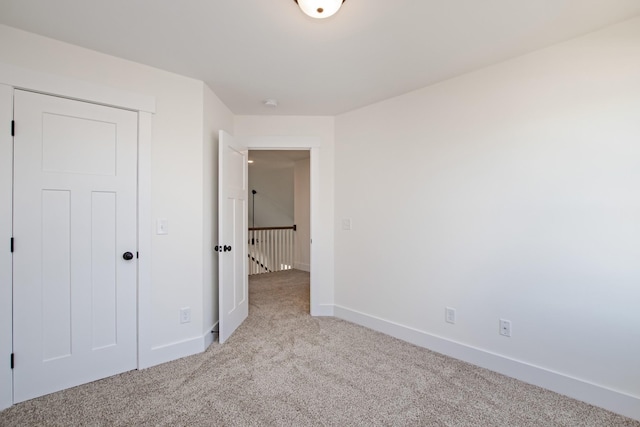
(56, 274)
(233, 287)
(64, 134)
(103, 269)
(74, 216)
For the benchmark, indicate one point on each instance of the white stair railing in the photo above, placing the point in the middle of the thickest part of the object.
(270, 249)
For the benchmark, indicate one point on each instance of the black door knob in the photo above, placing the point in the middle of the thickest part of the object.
(227, 248)
(127, 256)
(216, 249)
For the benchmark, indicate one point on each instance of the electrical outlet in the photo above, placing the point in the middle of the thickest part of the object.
(185, 315)
(505, 327)
(450, 315)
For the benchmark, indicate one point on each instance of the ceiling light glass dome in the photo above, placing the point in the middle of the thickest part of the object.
(320, 8)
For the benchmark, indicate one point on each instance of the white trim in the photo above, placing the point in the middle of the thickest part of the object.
(575, 388)
(19, 78)
(280, 142)
(179, 349)
(313, 145)
(145, 313)
(22, 78)
(209, 336)
(6, 209)
(323, 310)
(316, 249)
(302, 266)
(174, 351)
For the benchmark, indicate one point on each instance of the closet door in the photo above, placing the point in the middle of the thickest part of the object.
(74, 260)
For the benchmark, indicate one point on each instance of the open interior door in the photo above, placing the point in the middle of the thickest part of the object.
(232, 235)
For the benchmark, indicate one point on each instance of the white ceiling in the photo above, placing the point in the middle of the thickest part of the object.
(250, 50)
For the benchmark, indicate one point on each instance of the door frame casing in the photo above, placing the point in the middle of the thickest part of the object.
(6, 208)
(313, 144)
(11, 78)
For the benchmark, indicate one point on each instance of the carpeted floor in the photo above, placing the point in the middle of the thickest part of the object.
(283, 367)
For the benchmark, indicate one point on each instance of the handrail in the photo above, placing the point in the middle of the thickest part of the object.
(290, 227)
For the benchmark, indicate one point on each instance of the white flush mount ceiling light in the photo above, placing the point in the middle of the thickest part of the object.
(320, 8)
(272, 103)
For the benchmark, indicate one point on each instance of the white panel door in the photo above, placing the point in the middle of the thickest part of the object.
(232, 232)
(75, 167)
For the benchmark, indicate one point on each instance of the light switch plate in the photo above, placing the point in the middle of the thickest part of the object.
(346, 224)
(162, 226)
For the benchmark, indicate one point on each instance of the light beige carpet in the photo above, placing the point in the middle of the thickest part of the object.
(283, 367)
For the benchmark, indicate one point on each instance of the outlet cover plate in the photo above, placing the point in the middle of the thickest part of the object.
(505, 327)
(450, 315)
(185, 315)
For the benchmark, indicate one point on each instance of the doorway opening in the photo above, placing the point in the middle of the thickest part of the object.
(279, 211)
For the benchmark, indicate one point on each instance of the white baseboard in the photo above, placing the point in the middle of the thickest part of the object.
(6, 400)
(209, 336)
(322, 310)
(177, 350)
(301, 266)
(612, 400)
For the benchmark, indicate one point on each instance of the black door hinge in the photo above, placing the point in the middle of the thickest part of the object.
(13, 128)
(137, 255)
(12, 361)
(12, 244)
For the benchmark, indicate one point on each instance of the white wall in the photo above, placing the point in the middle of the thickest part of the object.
(302, 214)
(274, 195)
(513, 192)
(216, 117)
(304, 132)
(177, 178)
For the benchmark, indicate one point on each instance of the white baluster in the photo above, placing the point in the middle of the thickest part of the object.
(263, 249)
(270, 250)
(286, 249)
(250, 251)
(276, 258)
(291, 246)
(280, 247)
